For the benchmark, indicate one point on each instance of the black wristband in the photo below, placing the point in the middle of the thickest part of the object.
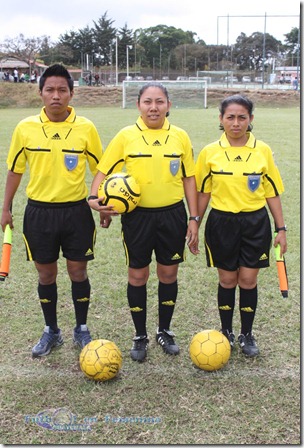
(281, 228)
(92, 197)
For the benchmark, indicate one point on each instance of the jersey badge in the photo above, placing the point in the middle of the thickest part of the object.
(70, 161)
(174, 167)
(253, 182)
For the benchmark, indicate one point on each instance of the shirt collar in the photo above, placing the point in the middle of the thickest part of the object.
(142, 126)
(44, 118)
(250, 142)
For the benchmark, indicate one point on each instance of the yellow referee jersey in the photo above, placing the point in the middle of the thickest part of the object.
(56, 154)
(238, 178)
(157, 158)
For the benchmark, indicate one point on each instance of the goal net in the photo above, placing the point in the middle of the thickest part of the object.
(191, 94)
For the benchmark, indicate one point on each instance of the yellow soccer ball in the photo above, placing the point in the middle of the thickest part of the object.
(100, 360)
(209, 350)
(120, 190)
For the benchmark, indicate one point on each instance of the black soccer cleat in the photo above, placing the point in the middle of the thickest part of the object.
(248, 345)
(139, 349)
(230, 336)
(165, 339)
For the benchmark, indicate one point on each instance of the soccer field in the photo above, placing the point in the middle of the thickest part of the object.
(165, 400)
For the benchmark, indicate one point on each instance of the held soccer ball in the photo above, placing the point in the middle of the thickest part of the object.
(209, 350)
(100, 360)
(120, 190)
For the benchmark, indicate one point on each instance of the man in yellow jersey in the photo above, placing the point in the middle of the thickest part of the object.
(57, 145)
(160, 157)
(239, 175)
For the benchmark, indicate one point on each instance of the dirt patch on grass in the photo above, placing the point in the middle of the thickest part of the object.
(26, 95)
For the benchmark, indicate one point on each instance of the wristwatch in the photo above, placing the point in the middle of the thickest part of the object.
(281, 228)
(195, 218)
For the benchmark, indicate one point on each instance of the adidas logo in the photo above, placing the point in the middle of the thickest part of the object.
(176, 257)
(136, 309)
(247, 309)
(263, 257)
(84, 299)
(88, 252)
(238, 159)
(56, 136)
(169, 303)
(156, 143)
(225, 308)
(45, 301)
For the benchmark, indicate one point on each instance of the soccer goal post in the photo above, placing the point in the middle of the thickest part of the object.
(191, 94)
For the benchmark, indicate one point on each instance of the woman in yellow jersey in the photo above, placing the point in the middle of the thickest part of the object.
(57, 145)
(237, 173)
(160, 156)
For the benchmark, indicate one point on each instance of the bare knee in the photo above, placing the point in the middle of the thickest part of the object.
(138, 277)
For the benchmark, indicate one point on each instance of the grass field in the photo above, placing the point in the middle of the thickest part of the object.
(164, 400)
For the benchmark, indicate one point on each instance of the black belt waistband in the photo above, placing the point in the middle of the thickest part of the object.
(222, 212)
(159, 209)
(54, 204)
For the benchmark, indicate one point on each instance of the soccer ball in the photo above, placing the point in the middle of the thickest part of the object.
(100, 360)
(120, 190)
(209, 350)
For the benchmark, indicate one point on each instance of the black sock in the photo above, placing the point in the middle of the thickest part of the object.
(248, 304)
(167, 295)
(81, 299)
(137, 298)
(226, 302)
(48, 301)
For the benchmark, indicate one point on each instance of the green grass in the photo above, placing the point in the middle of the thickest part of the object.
(250, 401)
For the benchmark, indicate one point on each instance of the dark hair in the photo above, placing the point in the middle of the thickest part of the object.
(153, 84)
(237, 99)
(56, 70)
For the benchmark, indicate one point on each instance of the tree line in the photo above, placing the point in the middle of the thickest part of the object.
(160, 47)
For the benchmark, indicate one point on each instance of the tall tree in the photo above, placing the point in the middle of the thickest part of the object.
(292, 44)
(103, 36)
(250, 53)
(24, 49)
(160, 41)
(77, 44)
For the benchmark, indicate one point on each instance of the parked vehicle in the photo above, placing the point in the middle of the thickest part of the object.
(231, 79)
(258, 79)
(246, 79)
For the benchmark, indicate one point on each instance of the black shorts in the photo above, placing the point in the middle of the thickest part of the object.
(238, 239)
(162, 230)
(47, 228)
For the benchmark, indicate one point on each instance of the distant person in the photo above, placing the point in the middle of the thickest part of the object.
(33, 77)
(295, 83)
(16, 75)
(57, 145)
(160, 157)
(96, 76)
(238, 174)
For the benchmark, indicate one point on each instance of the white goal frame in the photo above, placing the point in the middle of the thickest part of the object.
(172, 86)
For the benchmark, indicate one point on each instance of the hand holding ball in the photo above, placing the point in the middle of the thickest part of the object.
(120, 190)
